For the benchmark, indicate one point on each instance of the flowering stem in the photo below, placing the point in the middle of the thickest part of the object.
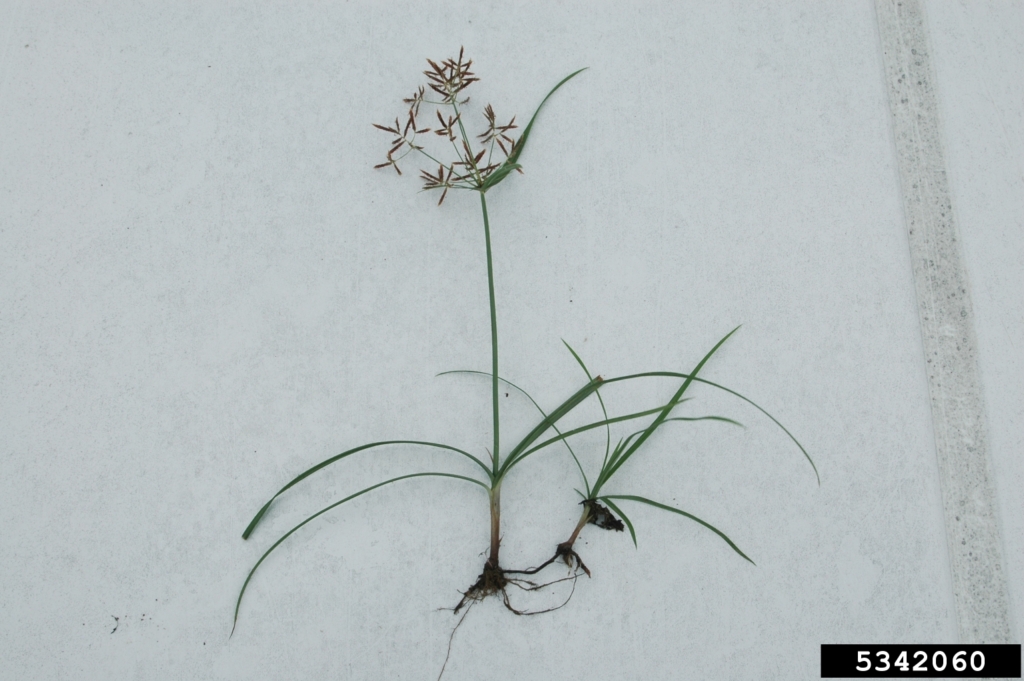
(496, 452)
(494, 336)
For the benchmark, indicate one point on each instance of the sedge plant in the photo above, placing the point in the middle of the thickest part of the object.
(477, 164)
(474, 169)
(597, 514)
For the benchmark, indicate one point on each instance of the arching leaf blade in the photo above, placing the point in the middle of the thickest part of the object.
(692, 517)
(541, 410)
(673, 374)
(327, 462)
(238, 603)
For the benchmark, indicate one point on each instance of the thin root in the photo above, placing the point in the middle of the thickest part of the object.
(495, 580)
(565, 552)
(450, 639)
(504, 595)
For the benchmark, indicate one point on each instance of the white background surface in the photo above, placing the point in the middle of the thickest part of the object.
(204, 289)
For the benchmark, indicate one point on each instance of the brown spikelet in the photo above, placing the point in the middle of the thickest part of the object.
(437, 69)
(448, 78)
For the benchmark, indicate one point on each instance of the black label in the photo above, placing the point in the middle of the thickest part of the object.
(907, 661)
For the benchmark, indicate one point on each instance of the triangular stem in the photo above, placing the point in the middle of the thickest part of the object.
(496, 452)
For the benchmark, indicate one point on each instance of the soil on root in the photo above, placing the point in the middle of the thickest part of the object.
(603, 518)
(495, 580)
(597, 515)
(491, 581)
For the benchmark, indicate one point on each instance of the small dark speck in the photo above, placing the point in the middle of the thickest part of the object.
(207, 66)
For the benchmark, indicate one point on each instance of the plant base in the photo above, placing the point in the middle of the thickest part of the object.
(496, 580)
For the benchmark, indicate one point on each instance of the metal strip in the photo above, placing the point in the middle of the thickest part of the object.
(947, 328)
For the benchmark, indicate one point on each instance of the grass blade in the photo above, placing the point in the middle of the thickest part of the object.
(672, 374)
(619, 449)
(514, 158)
(319, 513)
(542, 412)
(512, 162)
(611, 469)
(500, 173)
(723, 419)
(327, 462)
(622, 445)
(632, 532)
(608, 429)
(590, 426)
(578, 397)
(655, 504)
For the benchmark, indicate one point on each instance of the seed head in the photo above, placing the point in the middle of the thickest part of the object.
(468, 169)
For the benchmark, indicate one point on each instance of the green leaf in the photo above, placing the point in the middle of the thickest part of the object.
(655, 504)
(608, 428)
(499, 174)
(706, 418)
(542, 413)
(574, 401)
(591, 426)
(512, 162)
(622, 515)
(319, 513)
(610, 470)
(514, 158)
(323, 464)
(672, 374)
(619, 449)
